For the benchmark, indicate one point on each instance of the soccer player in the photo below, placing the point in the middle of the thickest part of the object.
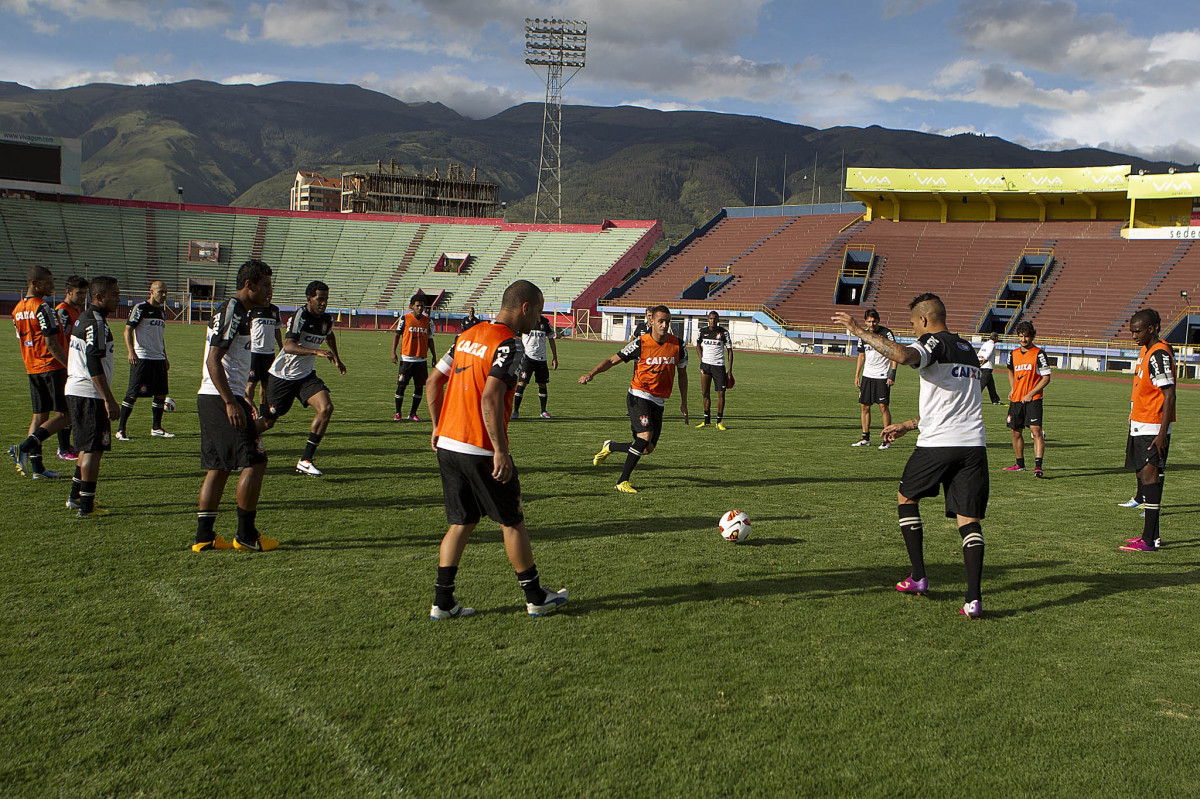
(89, 393)
(643, 327)
(1151, 417)
(230, 436)
(986, 356)
(414, 334)
(1028, 374)
(715, 349)
(265, 338)
(874, 376)
(469, 321)
(658, 356)
(470, 394)
(148, 364)
(533, 365)
(951, 450)
(74, 303)
(293, 375)
(46, 364)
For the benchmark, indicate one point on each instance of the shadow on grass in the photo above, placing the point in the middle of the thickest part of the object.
(1101, 585)
(819, 584)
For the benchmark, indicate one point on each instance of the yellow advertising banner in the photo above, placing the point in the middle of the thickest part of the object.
(973, 181)
(1164, 187)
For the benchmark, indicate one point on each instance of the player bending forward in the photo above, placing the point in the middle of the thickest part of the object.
(951, 450)
(470, 399)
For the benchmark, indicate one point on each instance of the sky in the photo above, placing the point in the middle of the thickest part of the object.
(1050, 74)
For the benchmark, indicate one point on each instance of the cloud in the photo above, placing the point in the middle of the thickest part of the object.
(254, 78)
(469, 97)
(142, 14)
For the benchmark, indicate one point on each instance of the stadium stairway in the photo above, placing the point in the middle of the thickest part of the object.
(1141, 299)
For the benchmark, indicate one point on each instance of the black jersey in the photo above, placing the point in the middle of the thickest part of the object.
(91, 354)
(713, 341)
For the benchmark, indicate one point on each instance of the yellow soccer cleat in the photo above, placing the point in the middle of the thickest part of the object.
(721, 426)
(702, 425)
(217, 543)
(626, 488)
(264, 544)
(603, 454)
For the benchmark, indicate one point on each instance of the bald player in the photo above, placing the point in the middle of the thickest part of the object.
(148, 364)
(470, 399)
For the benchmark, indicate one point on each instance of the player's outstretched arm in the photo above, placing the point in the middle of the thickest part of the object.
(894, 431)
(892, 350)
(600, 369)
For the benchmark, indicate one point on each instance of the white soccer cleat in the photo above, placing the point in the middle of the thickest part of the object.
(306, 467)
(1130, 503)
(456, 612)
(160, 433)
(885, 445)
(120, 435)
(554, 600)
(862, 442)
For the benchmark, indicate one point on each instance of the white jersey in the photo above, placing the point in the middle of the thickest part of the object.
(229, 328)
(149, 323)
(713, 342)
(875, 365)
(264, 322)
(535, 340)
(986, 349)
(90, 354)
(308, 330)
(951, 404)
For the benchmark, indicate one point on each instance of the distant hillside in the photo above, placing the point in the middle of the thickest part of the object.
(241, 145)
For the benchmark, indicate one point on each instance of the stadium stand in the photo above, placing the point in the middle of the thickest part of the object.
(369, 262)
(790, 268)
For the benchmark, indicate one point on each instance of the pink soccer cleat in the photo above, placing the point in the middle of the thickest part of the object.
(910, 586)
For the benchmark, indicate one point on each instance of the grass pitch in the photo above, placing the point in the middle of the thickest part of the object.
(683, 665)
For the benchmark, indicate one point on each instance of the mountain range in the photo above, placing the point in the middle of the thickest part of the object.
(241, 145)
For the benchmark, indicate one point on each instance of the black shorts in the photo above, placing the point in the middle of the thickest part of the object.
(469, 490)
(533, 369)
(46, 391)
(874, 391)
(1138, 453)
(223, 447)
(416, 372)
(961, 471)
(1024, 414)
(282, 393)
(717, 373)
(147, 378)
(260, 368)
(91, 429)
(644, 415)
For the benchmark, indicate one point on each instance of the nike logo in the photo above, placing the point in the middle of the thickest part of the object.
(458, 369)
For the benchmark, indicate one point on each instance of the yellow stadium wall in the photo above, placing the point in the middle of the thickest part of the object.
(1175, 212)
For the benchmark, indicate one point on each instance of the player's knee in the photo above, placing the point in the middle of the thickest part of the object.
(972, 535)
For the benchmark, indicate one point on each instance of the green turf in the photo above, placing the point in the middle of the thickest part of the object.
(682, 666)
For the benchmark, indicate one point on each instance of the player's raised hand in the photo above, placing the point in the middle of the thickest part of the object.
(847, 321)
(894, 431)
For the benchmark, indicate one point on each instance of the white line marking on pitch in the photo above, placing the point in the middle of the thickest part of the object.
(303, 715)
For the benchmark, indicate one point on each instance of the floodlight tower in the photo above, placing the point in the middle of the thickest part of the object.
(554, 44)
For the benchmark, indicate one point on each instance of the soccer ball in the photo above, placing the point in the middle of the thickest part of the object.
(169, 404)
(734, 526)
